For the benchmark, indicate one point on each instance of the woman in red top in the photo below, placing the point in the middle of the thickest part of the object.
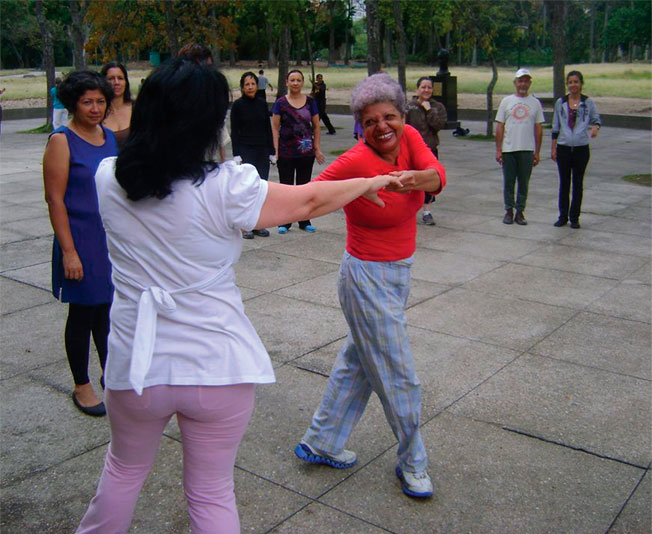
(373, 288)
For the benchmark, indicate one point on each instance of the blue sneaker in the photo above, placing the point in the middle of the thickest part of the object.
(282, 230)
(343, 460)
(415, 484)
(310, 229)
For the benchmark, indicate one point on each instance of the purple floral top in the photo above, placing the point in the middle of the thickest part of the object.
(296, 135)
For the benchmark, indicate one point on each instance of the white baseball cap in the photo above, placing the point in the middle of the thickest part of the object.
(522, 72)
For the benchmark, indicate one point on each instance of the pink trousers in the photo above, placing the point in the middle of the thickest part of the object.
(212, 420)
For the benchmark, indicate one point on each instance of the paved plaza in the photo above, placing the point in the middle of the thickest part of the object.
(532, 345)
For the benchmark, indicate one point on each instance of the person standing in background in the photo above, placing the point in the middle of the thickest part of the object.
(59, 111)
(251, 135)
(319, 94)
(575, 119)
(518, 143)
(428, 116)
(119, 116)
(297, 139)
(263, 84)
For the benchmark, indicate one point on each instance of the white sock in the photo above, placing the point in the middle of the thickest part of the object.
(426, 212)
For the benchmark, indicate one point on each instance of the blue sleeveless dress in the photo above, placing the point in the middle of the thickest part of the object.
(85, 225)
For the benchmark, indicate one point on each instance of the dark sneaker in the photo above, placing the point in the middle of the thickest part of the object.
(575, 224)
(560, 223)
(343, 460)
(415, 484)
(247, 235)
(509, 217)
(263, 232)
(520, 218)
(427, 219)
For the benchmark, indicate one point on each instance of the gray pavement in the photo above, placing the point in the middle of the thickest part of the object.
(532, 344)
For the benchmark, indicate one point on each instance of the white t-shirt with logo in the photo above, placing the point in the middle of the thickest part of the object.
(519, 115)
(191, 236)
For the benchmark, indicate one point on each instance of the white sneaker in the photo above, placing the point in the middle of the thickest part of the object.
(342, 460)
(415, 484)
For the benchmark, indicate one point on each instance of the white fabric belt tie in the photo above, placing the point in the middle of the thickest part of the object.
(154, 300)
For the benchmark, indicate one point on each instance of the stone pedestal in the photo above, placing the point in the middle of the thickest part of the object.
(444, 90)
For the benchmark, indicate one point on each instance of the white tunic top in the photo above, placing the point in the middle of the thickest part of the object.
(173, 273)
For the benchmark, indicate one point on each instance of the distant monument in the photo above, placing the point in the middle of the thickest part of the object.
(444, 90)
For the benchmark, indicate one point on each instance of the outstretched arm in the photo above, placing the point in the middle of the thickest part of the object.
(286, 203)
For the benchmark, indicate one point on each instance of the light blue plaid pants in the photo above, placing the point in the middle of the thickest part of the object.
(376, 357)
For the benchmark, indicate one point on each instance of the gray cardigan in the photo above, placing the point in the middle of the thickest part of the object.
(587, 116)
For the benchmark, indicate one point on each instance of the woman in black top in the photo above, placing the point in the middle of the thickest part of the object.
(251, 133)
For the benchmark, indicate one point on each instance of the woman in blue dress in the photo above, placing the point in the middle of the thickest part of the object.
(81, 271)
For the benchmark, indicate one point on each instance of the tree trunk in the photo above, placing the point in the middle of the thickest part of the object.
(474, 56)
(558, 41)
(387, 41)
(592, 32)
(347, 34)
(332, 52)
(78, 31)
(271, 56)
(48, 56)
(604, 28)
(171, 28)
(283, 61)
(490, 96)
(309, 48)
(400, 45)
(373, 37)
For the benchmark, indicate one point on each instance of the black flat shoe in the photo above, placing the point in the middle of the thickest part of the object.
(97, 411)
(560, 223)
(575, 224)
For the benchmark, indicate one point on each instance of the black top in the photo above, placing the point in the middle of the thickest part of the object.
(250, 125)
(319, 93)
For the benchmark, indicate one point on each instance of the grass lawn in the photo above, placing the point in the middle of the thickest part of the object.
(630, 80)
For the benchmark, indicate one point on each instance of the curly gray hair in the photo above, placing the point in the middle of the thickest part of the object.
(378, 87)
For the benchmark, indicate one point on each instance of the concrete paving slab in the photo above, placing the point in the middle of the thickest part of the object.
(448, 367)
(504, 321)
(589, 409)
(636, 518)
(639, 226)
(628, 300)
(610, 242)
(15, 296)
(25, 253)
(330, 521)
(321, 246)
(643, 275)
(42, 427)
(34, 227)
(608, 343)
(268, 271)
(291, 328)
(279, 421)
(33, 337)
(449, 268)
(39, 275)
(501, 248)
(537, 284)
(491, 481)
(583, 261)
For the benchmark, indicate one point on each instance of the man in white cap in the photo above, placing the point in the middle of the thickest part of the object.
(518, 143)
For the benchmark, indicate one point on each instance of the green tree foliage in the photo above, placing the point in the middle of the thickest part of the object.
(629, 25)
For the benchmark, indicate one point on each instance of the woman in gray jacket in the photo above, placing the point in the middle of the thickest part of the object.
(575, 119)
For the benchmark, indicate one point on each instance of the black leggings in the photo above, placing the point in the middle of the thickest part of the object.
(82, 322)
(571, 162)
(302, 167)
(431, 198)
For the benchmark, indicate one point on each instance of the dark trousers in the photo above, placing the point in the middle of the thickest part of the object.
(82, 322)
(517, 168)
(571, 163)
(324, 117)
(431, 198)
(258, 156)
(295, 171)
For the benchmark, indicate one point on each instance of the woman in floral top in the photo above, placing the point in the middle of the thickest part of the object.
(297, 138)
